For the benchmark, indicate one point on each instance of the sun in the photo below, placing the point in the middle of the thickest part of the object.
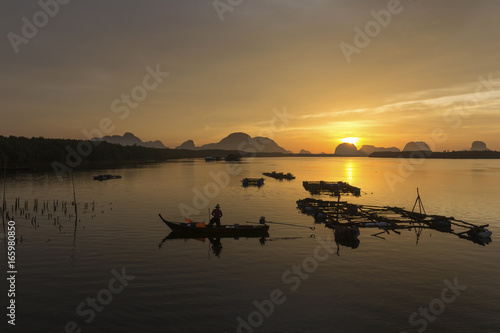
(352, 140)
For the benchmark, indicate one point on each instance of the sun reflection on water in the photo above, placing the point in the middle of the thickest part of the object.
(349, 170)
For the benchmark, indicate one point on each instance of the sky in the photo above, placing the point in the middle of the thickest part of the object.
(305, 73)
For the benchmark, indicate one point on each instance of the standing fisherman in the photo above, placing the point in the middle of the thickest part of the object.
(217, 214)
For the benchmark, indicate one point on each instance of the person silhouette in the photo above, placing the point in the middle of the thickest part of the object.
(217, 214)
(216, 245)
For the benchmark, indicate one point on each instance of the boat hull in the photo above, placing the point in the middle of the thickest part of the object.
(190, 230)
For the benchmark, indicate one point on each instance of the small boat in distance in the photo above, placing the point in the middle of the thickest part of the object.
(212, 158)
(106, 177)
(252, 181)
(234, 230)
(279, 175)
(233, 158)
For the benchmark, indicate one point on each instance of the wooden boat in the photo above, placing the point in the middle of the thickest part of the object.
(441, 223)
(346, 231)
(234, 230)
(279, 175)
(212, 158)
(233, 158)
(252, 181)
(479, 232)
(106, 177)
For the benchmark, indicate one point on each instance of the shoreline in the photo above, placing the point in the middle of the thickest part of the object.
(28, 154)
(110, 164)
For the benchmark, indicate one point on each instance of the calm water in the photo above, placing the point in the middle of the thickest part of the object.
(182, 286)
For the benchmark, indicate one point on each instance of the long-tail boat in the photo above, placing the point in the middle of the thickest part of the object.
(202, 230)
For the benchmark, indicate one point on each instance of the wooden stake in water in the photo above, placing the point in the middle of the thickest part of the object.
(420, 204)
(4, 202)
(74, 193)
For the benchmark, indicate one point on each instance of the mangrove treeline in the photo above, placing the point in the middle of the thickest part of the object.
(26, 153)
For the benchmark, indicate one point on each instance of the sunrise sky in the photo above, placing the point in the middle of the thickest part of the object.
(416, 66)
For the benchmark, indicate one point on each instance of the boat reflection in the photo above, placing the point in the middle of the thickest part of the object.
(346, 236)
(215, 242)
(216, 245)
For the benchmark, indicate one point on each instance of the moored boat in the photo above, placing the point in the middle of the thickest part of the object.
(106, 177)
(479, 232)
(440, 223)
(279, 175)
(233, 230)
(252, 181)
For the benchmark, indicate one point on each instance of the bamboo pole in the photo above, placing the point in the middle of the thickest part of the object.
(74, 193)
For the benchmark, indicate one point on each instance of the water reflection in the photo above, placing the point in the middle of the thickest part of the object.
(175, 297)
(346, 236)
(216, 245)
(72, 256)
(215, 242)
(349, 170)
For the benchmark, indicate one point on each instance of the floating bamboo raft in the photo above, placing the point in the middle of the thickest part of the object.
(344, 216)
(252, 181)
(333, 188)
(279, 175)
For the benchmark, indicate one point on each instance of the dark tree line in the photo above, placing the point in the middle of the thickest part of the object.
(38, 152)
(464, 154)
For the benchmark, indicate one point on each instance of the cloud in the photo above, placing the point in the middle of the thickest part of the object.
(228, 76)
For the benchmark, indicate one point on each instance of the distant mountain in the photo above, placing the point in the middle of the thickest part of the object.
(234, 141)
(270, 145)
(129, 139)
(305, 152)
(479, 146)
(416, 146)
(154, 144)
(463, 154)
(347, 149)
(368, 149)
(239, 141)
(189, 144)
